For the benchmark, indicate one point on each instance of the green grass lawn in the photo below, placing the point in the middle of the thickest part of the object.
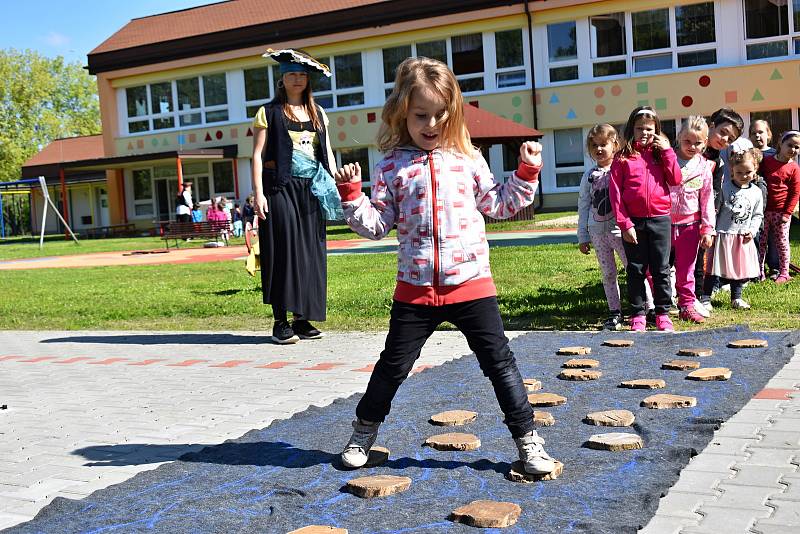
(542, 287)
(55, 245)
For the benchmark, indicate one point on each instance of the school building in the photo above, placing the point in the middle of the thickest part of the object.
(178, 90)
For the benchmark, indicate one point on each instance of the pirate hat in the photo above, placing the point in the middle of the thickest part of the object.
(289, 55)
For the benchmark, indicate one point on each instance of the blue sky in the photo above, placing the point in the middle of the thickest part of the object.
(72, 28)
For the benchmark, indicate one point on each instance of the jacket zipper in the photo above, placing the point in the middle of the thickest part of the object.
(435, 224)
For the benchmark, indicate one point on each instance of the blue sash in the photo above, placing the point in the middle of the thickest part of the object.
(323, 185)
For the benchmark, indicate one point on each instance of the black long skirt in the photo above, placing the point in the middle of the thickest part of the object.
(294, 266)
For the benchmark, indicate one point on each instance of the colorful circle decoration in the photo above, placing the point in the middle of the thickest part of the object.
(687, 101)
(353, 119)
(517, 118)
(218, 135)
(616, 90)
(704, 81)
(600, 109)
(599, 92)
(340, 121)
(516, 101)
(342, 136)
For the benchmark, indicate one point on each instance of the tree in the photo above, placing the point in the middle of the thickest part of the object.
(41, 99)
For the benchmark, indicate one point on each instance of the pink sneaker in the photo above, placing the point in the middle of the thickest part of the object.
(782, 279)
(638, 323)
(664, 323)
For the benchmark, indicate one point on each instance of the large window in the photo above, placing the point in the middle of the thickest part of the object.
(568, 145)
(185, 102)
(772, 28)
(467, 65)
(562, 50)
(222, 171)
(509, 59)
(345, 88)
(680, 36)
(259, 87)
(607, 36)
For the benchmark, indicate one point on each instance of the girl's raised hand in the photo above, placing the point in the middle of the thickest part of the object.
(661, 141)
(349, 173)
(531, 153)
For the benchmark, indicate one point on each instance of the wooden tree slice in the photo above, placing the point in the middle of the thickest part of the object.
(546, 399)
(618, 342)
(748, 343)
(615, 441)
(531, 384)
(696, 352)
(377, 485)
(644, 383)
(574, 351)
(543, 418)
(453, 441)
(665, 400)
(680, 365)
(580, 363)
(710, 373)
(487, 514)
(319, 529)
(453, 418)
(377, 456)
(518, 473)
(580, 374)
(610, 418)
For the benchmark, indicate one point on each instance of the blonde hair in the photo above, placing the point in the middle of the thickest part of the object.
(766, 129)
(422, 73)
(752, 154)
(603, 133)
(694, 123)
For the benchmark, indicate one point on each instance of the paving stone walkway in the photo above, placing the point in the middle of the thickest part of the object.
(71, 390)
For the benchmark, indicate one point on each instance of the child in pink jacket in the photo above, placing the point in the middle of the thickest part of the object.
(693, 215)
(639, 192)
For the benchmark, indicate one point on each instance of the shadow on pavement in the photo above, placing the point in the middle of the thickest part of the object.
(257, 454)
(166, 339)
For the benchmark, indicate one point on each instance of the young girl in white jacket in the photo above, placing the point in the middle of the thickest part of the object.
(434, 185)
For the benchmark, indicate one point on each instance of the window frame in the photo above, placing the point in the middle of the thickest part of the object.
(366, 181)
(791, 39)
(176, 113)
(335, 92)
(569, 169)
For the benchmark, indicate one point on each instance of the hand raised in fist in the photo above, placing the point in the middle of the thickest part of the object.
(531, 153)
(349, 173)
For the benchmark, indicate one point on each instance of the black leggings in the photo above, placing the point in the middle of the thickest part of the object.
(479, 320)
(654, 235)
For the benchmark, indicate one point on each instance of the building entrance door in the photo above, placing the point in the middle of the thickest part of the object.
(166, 191)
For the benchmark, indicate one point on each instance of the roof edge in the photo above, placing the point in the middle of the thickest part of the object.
(370, 16)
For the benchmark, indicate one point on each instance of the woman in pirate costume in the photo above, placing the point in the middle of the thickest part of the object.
(294, 196)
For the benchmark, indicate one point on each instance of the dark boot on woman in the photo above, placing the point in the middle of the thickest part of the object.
(283, 334)
(305, 330)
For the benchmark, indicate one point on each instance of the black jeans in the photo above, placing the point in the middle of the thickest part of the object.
(715, 282)
(651, 253)
(479, 320)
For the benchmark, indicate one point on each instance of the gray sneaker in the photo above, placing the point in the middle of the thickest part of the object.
(532, 454)
(356, 453)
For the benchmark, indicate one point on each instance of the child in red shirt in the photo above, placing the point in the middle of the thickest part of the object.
(782, 175)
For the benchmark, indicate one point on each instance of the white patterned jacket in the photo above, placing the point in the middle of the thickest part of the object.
(436, 199)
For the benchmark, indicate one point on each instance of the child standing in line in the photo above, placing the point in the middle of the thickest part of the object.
(733, 257)
(596, 224)
(197, 213)
(724, 128)
(761, 137)
(693, 215)
(639, 191)
(435, 185)
(782, 175)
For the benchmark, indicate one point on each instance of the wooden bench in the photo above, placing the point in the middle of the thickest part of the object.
(177, 231)
(113, 230)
